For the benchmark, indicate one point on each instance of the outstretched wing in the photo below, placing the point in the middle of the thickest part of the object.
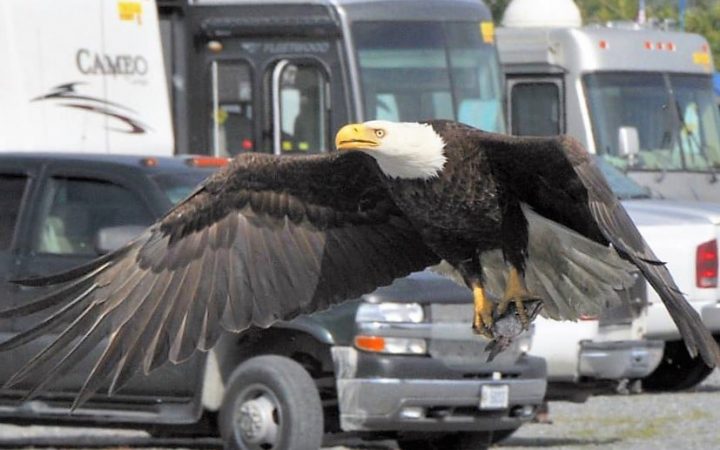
(560, 181)
(265, 239)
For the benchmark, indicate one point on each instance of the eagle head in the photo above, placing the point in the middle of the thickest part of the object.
(401, 149)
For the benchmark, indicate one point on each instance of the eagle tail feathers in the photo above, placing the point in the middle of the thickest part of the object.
(698, 339)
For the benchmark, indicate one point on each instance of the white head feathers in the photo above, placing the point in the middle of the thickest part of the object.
(407, 149)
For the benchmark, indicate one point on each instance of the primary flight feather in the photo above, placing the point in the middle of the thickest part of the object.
(268, 238)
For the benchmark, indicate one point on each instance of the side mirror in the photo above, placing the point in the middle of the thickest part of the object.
(110, 239)
(628, 144)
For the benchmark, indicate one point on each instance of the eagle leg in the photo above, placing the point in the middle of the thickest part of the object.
(516, 292)
(483, 317)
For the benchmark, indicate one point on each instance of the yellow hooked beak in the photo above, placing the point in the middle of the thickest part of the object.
(356, 136)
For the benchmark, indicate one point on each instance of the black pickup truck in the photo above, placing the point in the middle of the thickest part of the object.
(396, 364)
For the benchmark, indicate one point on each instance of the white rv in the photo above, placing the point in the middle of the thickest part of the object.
(83, 76)
(640, 98)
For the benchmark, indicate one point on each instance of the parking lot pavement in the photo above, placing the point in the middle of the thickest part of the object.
(687, 420)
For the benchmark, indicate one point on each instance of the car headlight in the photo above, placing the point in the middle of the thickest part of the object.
(393, 345)
(390, 312)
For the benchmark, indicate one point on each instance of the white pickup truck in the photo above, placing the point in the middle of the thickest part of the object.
(684, 235)
(590, 355)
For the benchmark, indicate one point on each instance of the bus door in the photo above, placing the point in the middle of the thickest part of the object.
(273, 94)
(299, 107)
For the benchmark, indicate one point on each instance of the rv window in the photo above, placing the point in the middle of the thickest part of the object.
(429, 70)
(12, 188)
(700, 124)
(231, 112)
(75, 209)
(535, 109)
(300, 112)
(677, 123)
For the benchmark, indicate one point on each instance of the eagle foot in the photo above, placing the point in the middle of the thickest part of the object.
(520, 308)
(483, 313)
(516, 293)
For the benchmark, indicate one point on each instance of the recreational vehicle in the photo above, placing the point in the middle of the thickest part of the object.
(83, 77)
(642, 99)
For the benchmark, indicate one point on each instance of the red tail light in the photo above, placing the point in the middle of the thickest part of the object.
(706, 265)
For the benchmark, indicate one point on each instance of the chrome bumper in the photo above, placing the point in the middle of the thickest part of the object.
(433, 404)
(615, 360)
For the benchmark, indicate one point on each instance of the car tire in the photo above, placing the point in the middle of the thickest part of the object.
(271, 403)
(454, 441)
(677, 370)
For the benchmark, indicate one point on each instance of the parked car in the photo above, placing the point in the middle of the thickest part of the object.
(584, 358)
(614, 350)
(397, 363)
(683, 234)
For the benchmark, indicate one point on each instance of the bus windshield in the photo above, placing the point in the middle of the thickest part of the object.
(675, 116)
(413, 71)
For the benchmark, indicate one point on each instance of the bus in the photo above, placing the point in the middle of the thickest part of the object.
(280, 77)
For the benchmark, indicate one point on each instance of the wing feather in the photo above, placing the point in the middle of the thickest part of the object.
(560, 181)
(266, 239)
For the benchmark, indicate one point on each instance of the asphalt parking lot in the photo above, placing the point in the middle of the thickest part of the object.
(687, 420)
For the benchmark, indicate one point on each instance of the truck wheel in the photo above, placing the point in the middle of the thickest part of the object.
(454, 441)
(677, 370)
(271, 403)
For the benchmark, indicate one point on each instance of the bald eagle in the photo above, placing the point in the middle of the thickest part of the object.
(269, 238)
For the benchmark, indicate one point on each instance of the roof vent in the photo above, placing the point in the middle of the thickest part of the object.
(542, 13)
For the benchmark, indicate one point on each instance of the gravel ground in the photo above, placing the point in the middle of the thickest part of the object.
(689, 420)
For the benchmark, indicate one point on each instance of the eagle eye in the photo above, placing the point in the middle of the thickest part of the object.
(380, 133)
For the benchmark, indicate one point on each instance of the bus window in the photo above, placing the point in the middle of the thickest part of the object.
(299, 109)
(429, 70)
(535, 109)
(231, 115)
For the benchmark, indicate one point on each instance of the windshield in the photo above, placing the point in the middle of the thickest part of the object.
(622, 185)
(414, 71)
(178, 185)
(675, 116)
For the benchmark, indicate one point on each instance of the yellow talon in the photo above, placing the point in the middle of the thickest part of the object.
(482, 319)
(517, 293)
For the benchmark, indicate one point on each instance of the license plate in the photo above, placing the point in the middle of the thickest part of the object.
(494, 397)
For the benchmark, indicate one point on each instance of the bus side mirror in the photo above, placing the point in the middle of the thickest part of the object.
(628, 144)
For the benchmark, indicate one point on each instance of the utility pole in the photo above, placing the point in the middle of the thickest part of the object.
(641, 16)
(681, 14)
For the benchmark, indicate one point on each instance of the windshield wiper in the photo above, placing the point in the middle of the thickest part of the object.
(692, 136)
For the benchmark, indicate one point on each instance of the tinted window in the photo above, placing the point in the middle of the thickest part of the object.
(177, 186)
(535, 109)
(414, 71)
(623, 186)
(12, 188)
(302, 109)
(231, 112)
(75, 209)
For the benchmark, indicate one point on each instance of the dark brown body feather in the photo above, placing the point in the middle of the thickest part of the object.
(269, 238)
(559, 180)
